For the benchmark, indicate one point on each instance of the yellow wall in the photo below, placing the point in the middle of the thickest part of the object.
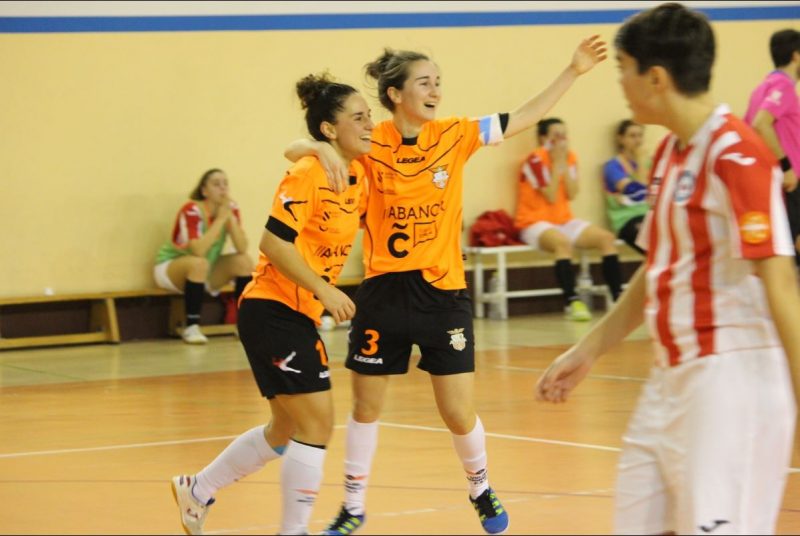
(105, 134)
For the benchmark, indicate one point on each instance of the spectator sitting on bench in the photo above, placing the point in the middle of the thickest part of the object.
(625, 184)
(192, 262)
(548, 181)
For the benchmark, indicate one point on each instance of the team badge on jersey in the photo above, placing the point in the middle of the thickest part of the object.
(457, 339)
(440, 176)
(685, 187)
(754, 227)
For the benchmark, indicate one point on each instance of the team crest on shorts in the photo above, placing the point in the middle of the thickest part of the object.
(457, 339)
(440, 176)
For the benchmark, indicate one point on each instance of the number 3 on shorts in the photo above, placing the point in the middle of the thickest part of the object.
(372, 342)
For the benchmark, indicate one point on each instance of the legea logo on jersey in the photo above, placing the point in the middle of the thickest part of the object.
(457, 339)
(440, 176)
(685, 187)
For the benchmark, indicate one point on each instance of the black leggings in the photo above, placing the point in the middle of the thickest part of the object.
(630, 231)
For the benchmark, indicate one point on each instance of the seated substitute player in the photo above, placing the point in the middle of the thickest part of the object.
(708, 446)
(626, 191)
(307, 238)
(192, 261)
(548, 181)
(414, 290)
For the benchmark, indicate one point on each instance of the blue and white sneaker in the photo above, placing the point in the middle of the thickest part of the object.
(493, 516)
(346, 523)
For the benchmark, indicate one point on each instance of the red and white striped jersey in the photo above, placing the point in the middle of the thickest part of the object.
(717, 206)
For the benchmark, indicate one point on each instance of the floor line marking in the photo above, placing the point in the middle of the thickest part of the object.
(590, 376)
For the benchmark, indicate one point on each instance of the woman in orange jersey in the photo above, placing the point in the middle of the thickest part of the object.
(415, 291)
(548, 181)
(303, 248)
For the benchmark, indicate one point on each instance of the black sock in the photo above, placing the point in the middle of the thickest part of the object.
(240, 283)
(193, 298)
(612, 275)
(565, 275)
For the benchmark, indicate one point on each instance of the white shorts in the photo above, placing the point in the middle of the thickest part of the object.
(708, 447)
(572, 230)
(163, 280)
(161, 277)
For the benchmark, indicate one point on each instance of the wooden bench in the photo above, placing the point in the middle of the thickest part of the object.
(498, 297)
(104, 323)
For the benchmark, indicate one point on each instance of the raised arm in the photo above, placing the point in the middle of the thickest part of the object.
(567, 371)
(589, 53)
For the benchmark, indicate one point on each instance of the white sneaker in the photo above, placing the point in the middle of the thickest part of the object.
(193, 514)
(193, 335)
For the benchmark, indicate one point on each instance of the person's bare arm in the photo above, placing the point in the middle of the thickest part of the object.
(288, 260)
(764, 124)
(779, 276)
(335, 169)
(589, 53)
(571, 367)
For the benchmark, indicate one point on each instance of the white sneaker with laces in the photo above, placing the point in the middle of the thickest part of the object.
(193, 513)
(193, 335)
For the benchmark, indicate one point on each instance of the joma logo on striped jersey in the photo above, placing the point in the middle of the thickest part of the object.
(401, 212)
(411, 160)
(342, 250)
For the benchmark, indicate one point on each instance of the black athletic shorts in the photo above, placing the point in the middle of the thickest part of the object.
(284, 349)
(397, 310)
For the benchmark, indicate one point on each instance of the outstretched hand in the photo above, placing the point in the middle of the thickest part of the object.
(589, 53)
(563, 375)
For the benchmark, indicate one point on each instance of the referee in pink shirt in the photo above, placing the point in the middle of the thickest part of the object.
(774, 112)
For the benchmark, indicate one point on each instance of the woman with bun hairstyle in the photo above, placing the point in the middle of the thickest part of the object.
(306, 240)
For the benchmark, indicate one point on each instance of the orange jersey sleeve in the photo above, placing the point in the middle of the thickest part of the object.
(532, 205)
(321, 223)
(414, 206)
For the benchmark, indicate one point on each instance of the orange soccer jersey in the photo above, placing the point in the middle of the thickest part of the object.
(323, 225)
(532, 206)
(414, 207)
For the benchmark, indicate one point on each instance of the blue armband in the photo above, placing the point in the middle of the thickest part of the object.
(635, 191)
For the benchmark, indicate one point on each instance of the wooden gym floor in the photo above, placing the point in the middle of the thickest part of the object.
(92, 434)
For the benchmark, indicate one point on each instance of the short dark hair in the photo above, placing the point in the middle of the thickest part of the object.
(782, 45)
(543, 126)
(322, 99)
(674, 37)
(197, 193)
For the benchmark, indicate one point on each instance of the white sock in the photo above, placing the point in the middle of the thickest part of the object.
(244, 456)
(301, 475)
(362, 440)
(471, 449)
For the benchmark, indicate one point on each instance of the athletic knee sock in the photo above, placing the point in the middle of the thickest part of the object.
(239, 285)
(362, 440)
(565, 275)
(301, 475)
(471, 449)
(613, 275)
(244, 456)
(193, 300)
